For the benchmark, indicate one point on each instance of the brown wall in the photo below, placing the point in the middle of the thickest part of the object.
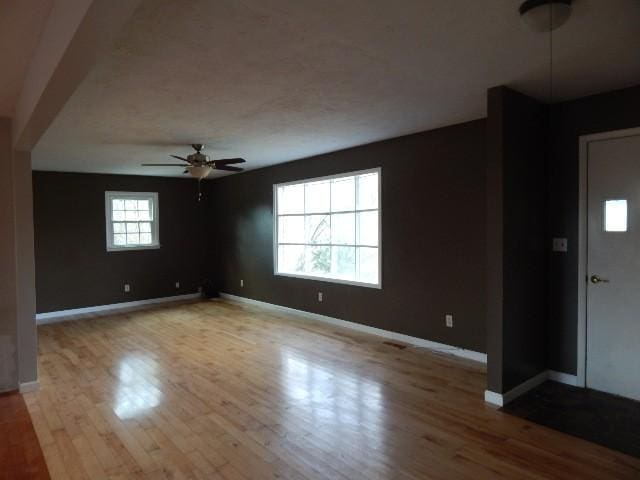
(433, 232)
(598, 113)
(517, 138)
(73, 268)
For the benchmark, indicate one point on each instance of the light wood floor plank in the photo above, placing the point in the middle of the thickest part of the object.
(217, 390)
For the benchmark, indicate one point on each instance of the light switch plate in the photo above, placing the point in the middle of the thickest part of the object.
(559, 244)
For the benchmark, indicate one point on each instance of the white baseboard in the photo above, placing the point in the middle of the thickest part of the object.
(399, 337)
(62, 315)
(27, 387)
(562, 377)
(501, 399)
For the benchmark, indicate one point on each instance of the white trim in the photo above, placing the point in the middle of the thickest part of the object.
(493, 398)
(399, 337)
(155, 220)
(377, 170)
(583, 212)
(562, 377)
(62, 315)
(27, 387)
(501, 400)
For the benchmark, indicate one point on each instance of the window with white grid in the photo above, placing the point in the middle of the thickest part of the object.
(132, 220)
(329, 228)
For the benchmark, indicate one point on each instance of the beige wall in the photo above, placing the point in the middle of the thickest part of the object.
(8, 307)
(18, 343)
(25, 269)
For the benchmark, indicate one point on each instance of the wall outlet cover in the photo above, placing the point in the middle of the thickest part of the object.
(448, 320)
(560, 244)
(127, 288)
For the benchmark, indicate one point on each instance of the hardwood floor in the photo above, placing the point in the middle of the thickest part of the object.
(20, 454)
(216, 390)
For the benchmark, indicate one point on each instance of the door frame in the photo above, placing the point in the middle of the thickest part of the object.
(583, 212)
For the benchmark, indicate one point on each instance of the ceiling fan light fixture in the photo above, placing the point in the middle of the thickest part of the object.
(545, 15)
(200, 172)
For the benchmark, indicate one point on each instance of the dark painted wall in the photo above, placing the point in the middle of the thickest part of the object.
(73, 268)
(517, 145)
(433, 232)
(598, 113)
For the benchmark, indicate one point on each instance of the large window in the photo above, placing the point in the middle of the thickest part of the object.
(132, 220)
(329, 228)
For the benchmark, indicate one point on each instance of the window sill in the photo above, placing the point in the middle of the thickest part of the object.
(130, 249)
(352, 283)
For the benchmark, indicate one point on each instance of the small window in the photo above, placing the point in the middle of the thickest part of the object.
(329, 228)
(615, 216)
(132, 220)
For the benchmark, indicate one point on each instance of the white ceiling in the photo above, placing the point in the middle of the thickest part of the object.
(278, 80)
(21, 23)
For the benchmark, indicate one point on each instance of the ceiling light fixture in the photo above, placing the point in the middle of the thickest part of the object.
(545, 15)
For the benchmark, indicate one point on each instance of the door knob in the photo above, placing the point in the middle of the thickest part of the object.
(597, 279)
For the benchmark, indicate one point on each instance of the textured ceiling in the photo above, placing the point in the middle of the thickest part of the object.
(277, 80)
(21, 22)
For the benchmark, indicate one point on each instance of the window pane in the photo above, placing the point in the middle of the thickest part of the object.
(343, 263)
(291, 258)
(317, 197)
(145, 239)
(367, 191)
(118, 228)
(144, 215)
(317, 229)
(367, 264)
(343, 194)
(131, 215)
(317, 260)
(117, 204)
(615, 216)
(132, 228)
(133, 239)
(145, 227)
(120, 239)
(291, 199)
(130, 204)
(343, 229)
(143, 204)
(368, 228)
(291, 229)
(118, 215)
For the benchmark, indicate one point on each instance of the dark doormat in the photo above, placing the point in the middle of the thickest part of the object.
(608, 420)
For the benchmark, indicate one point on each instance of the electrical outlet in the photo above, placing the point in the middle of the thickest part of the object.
(560, 245)
(177, 285)
(319, 296)
(200, 289)
(127, 288)
(242, 283)
(448, 320)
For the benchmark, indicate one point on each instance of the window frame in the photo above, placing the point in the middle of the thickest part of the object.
(378, 285)
(155, 223)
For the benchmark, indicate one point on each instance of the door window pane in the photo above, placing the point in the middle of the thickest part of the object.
(615, 215)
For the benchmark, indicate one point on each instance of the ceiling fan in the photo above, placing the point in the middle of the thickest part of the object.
(199, 165)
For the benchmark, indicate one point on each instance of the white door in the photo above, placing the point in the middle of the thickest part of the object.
(613, 266)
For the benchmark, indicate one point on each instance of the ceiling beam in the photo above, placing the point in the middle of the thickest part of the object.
(76, 35)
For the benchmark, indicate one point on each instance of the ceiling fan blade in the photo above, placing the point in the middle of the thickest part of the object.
(229, 169)
(162, 165)
(180, 158)
(228, 161)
